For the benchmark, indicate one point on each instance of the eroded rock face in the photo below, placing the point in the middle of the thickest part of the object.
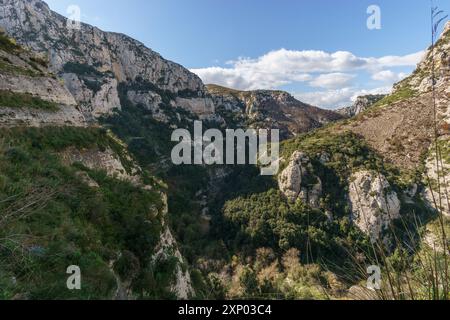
(268, 109)
(18, 117)
(374, 206)
(94, 62)
(108, 161)
(182, 285)
(20, 76)
(298, 181)
(361, 104)
(439, 174)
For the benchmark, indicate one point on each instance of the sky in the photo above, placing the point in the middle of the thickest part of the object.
(321, 51)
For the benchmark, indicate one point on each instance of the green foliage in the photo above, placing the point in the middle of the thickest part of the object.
(403, 93)
(25, 100)
(81, 69)
(93, 85)
(269, 220)
(146, 138)
(9, 68)
(7, 44)
(50, 219)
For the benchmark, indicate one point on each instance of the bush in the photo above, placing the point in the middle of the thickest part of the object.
(25, 100)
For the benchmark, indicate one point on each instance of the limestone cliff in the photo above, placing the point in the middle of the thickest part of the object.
(361, 104)
(93, 62)
(374, 206)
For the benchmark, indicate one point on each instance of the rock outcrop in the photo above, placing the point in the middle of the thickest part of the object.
(361, 104)
(298, 181)
(374, 206)
(94, 62)
(401, 128)
(110, 162)
(437, 178)
(24, 77)
(271, 110)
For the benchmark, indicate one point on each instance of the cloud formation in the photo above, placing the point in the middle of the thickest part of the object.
(334, 73)
(337, 98)
(332, 80)
(282, 67)
(388, 76)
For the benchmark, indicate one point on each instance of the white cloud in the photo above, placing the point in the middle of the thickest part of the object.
(332, 80)
(337, 98)
(388, 76)
(282, 67)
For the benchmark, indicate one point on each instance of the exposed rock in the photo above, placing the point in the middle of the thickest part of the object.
(439, 178)
(94, 104)
(271, 110)
(110, 162)
(91, 183)
(100, 58)
(199, 106)
(374, 206)
(43, 87)
(20, 76)
(402, 131)
(361, 104)
(295, 182)
(167, 246)
(96, 159)
(66, 115)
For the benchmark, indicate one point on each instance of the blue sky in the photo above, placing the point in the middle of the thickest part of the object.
(319, 50)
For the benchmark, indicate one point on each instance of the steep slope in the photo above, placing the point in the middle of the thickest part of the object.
(396, 169)
(71, 195)
(269, 109)
(94, 63)
(361, 104)
(29, 93)
(400, 126)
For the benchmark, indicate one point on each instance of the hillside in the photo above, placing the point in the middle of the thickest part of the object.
(96, 64)
(86, 178)
(400, 125)
(71, 195)
(270, 109)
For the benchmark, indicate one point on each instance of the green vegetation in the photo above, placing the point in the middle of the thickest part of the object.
(81, 69)
(7, 44)
(41, 61)
(50, 219)
(402, 93)
(25, 100)
(268, 220)
(7, 67)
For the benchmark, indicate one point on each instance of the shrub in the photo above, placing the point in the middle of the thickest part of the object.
(25, 100)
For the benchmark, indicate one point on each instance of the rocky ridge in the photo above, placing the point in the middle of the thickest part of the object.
(270, 109)
(361, 104)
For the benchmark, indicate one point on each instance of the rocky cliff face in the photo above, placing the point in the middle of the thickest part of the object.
(374, 205)
(298, 181)
(93, 62)
(361, 104)
(270, 109)
(30, 94)
(437, 191)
